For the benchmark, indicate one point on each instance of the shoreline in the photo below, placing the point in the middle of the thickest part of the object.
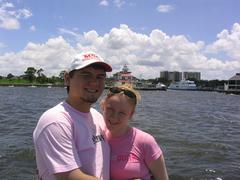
(30, 85)
(237, 92)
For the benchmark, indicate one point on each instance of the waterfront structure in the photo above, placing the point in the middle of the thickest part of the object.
(175, 76)
(124, 77)
(233, 84)
(171, 75)
(192, 75)
(183, 85)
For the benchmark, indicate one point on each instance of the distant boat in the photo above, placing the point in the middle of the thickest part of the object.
(32, 86)
(183, 85)
(151, 87)
(11, 86)
(161, 86)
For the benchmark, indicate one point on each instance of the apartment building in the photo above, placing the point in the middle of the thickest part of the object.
(178, 76)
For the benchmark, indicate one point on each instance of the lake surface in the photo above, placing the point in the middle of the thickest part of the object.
(199, 132)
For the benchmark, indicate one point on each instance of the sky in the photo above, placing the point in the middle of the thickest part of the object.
(148, 36)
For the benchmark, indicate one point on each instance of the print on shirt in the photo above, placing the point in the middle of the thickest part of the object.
(126, 158)
(97, 138)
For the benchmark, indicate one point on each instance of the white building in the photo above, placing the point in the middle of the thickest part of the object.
(233, 84)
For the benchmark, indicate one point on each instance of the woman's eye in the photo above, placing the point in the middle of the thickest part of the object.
(122, 114)
(109, 109)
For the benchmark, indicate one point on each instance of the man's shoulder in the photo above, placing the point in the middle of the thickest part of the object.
(56, 114)
(53, 111)
(53, 115)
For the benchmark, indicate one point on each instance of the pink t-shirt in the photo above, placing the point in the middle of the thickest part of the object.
(132, 154)
(66, 139)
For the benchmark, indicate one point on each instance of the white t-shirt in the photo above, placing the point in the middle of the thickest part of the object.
(66, 139)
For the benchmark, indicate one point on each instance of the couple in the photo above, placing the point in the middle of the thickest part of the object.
(73, 141)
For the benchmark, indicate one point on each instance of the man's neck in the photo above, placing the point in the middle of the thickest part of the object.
(79, 105)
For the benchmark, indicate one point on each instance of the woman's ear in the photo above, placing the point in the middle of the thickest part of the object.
(102, 104)
(66, 79)
(132, 113)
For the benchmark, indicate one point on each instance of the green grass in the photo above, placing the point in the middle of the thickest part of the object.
(14, 81)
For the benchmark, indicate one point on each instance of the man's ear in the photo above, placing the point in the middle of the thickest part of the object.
(66, 79)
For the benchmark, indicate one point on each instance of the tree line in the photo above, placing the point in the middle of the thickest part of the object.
(37, 76)
(33, 75)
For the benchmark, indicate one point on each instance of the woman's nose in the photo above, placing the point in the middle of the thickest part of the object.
(114, 117)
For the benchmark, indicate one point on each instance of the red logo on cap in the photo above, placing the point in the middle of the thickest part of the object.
(91, 56)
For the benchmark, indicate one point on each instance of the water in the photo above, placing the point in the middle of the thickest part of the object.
(199, 132)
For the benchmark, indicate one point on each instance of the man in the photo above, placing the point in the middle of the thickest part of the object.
(69, 139)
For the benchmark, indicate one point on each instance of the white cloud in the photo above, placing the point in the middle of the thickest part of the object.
(104, 3)
(52, 57)
(145, 54)
(23, 13)
(66, 31)
(119, 3)
(164, 8)
(228, 42)
(2, 45)
(33, 28)
(9, 16)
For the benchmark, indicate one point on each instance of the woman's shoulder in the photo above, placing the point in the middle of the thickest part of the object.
(143, 136)
(146, 142)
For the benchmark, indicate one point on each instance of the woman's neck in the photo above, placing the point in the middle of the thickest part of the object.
(118, 132)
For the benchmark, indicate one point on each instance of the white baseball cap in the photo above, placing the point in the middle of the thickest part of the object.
(87, 58)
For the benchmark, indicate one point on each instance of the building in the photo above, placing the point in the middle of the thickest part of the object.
(123, 77)
(171, 76)
(192, 75)
(233, 84)
(178, 76)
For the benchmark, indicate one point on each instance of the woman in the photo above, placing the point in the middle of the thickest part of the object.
(134, 154)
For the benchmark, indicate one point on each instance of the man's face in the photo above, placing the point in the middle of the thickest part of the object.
(87, 84)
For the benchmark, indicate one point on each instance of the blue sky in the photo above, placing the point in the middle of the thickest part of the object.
(148, 35)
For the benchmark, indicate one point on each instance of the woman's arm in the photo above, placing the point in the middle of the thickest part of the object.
(158, 169)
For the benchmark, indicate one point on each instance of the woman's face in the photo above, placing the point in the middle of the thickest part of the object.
(117, 111)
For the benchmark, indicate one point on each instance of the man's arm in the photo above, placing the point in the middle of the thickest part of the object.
(75, 174)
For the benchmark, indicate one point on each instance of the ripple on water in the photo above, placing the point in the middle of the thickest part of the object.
(198, 131)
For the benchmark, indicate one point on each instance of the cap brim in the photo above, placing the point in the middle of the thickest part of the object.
(105, 66)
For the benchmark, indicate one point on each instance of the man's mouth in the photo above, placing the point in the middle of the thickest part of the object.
(91, 90)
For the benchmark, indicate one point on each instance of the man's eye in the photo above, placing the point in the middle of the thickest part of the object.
(88, 76)
(101, 77)
(84, 74)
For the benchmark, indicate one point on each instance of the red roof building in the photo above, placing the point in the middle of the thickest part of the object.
(123, 77)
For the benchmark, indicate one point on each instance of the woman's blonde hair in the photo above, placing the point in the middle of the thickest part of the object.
(136, 99)
(131, 89)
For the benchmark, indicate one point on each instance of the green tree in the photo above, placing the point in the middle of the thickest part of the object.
(61, 75)
(9, 76)
(40, 72)
(41, 78)
(30, 73)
